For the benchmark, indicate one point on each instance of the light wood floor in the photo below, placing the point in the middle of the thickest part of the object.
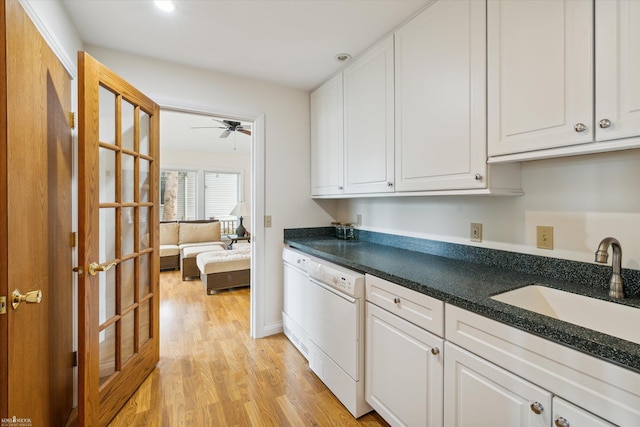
(212, 374)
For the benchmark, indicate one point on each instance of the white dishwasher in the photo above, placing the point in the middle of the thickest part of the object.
(336, 332)
(295, 314)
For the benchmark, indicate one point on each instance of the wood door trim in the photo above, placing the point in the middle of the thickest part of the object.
(4, 276)
(88, 352)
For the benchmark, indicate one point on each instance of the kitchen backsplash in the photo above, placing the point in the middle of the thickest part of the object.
(566, 270)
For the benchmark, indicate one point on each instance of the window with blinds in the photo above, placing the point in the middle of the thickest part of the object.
(178, 190)
(221, 193)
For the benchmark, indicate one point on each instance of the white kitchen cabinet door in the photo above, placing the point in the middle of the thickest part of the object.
(479, 393)
(540, 74)
(566, 414)
(440, 77)
(327, 146)
(369, 121)
(403, 371)
(617, 69)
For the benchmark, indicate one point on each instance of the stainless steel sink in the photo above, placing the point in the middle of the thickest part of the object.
(603, 316)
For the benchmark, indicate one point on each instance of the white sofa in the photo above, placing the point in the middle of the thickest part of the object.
(176, 236)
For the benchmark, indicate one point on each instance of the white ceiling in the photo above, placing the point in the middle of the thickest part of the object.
(289, 42)
(176, 133)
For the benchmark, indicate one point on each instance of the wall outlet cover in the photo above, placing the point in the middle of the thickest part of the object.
(476, 232)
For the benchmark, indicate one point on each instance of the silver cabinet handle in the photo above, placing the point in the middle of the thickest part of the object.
(537, 407)
(604, 123)
(478, 177)
(389, 184)
(396, 300)
(435, 351)
(580, 127)
(561, 422)
(340, 187)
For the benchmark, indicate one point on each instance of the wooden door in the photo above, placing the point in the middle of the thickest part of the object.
(539, 74)
(36, 339)
(118, 240)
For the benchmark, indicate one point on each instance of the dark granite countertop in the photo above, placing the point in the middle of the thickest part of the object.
(469, 285)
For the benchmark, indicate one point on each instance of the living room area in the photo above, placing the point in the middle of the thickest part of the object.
(205, 191)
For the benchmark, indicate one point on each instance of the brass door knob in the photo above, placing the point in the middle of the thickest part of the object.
(95, 268)
(32, 297)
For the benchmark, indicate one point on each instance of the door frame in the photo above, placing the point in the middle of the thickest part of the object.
(257, 329)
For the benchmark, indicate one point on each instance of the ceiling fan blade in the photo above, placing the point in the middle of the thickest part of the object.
(207, 127)
(246, 132)
(225, 133)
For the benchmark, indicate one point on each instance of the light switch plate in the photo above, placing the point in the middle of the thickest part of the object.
(544, 237)
(267, 221)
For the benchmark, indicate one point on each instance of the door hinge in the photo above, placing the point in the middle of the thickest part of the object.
(72, 120)
(3, 305)
(74, 361)
(73, 239)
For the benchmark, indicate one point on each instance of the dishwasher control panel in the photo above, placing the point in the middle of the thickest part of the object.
(349, 282)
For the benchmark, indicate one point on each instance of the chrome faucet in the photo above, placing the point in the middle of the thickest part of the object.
(616, 291)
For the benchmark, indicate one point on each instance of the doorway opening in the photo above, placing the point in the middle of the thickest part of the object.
(218, 156)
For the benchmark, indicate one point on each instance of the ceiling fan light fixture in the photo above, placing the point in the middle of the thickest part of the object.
(343, 57)
(165, 5)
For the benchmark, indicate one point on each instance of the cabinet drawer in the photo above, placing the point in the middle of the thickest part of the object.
(417, 308)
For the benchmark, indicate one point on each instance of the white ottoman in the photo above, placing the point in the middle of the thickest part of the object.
(225, 269)
(188, 266)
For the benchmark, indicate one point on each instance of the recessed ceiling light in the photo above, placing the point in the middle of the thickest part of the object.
(342, 57)
(165, 5)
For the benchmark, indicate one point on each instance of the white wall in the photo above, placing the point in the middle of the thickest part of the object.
(585, 199)
(208, 161)
(286, 111)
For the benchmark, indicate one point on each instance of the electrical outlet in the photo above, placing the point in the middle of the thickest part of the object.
(544, 237)
(476, 232)
(267, 221)
(358, 219)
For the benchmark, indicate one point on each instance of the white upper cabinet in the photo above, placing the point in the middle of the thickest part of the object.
(617, 69)
(540, 74)
(327, 139)
(368, 121)
(440, 73)
(543, 97)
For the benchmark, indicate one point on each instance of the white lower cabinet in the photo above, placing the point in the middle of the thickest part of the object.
(404, 370)
(433, 364)
(495, 374)
(479, 393)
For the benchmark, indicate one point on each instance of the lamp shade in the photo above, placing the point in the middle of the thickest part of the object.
(240, 209)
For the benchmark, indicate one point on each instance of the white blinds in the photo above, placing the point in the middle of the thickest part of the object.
(220, 193)
(186, 195)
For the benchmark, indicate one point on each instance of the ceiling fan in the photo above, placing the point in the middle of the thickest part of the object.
(228, 126)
